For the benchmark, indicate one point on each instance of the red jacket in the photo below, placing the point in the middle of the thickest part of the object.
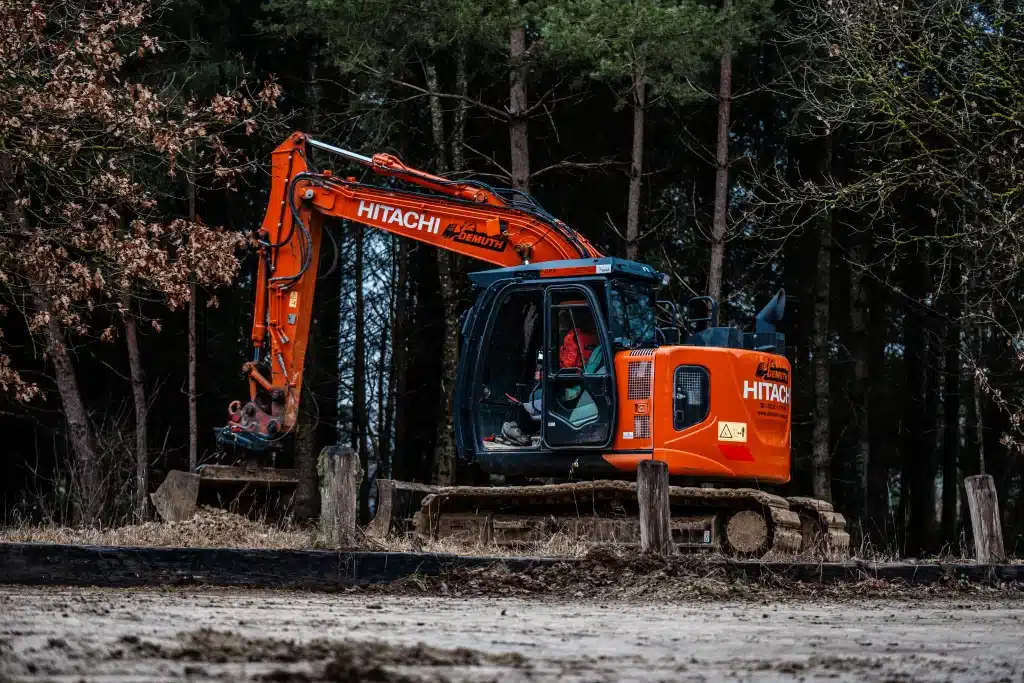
(569, 355)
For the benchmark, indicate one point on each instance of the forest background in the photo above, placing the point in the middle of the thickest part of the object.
(866, 156)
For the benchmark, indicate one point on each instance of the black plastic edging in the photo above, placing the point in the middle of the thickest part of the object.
(46, 564)
(122, 567)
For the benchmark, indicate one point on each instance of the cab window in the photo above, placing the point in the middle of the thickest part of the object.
(632, 316)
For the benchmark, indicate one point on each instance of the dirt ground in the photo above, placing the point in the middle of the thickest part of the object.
(364, 635)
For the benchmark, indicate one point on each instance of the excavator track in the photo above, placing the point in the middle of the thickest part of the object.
(738, 522)
(823, 529)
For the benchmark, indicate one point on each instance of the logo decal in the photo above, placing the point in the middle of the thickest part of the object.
(766, 391)
(413, 220)
(769, 371)
(468, 234)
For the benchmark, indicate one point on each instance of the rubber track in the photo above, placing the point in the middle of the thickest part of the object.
(826, 536)
(785, 524)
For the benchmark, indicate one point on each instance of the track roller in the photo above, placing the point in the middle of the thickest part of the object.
(823, 530)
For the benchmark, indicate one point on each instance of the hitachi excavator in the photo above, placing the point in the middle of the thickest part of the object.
(568, 373)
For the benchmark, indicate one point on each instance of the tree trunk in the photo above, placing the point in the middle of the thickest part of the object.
(916, 491)
(719, 224)
(997, 422)
(461, 110)
(970, 460)
(517, 126)
(141, 409)
(444, 451)
(382, 445)
(426, 334)
(979, 412)
(924, 511)
(305, 504)
(313, 429)
(951, 411)
(913, 367)
(877, 409)
(87, 485)
(821, 452)
(398, 382)
(436, 118)
(359, 419)
(636, 166)
(859, 389)
(307, 442)
(193, 409)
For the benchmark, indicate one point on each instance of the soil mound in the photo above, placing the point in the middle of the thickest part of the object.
(321, 660)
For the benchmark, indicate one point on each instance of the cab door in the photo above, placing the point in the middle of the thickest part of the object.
(579, 399)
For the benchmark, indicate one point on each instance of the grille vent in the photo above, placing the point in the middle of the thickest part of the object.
(690, 399)
(639, 383)
(641, 426)
(689, 385)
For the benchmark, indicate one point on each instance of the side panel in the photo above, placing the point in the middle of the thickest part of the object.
(634, 372)
(746, 434)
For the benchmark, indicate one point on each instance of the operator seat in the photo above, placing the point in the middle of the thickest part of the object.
(574, 406)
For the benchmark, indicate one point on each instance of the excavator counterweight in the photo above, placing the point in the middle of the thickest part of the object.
(568, 372)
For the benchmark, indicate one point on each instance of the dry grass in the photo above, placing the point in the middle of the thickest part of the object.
(558, 545)
(217, 528)
(210, 528)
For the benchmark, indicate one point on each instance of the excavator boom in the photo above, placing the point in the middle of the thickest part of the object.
(467, 218)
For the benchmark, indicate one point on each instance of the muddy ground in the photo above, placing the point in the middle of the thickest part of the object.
(378, 635)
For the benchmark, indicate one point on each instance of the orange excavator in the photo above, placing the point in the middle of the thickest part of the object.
(571, 371)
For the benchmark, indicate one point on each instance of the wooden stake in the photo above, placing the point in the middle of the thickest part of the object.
(985, 519)
(652, 495)
(340, 475)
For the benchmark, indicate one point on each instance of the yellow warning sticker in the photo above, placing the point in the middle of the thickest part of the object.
(732, 431)
(293, 300)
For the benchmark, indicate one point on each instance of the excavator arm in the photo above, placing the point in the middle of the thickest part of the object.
(500, 227)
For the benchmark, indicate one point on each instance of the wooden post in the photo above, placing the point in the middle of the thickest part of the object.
(340, 475)
(652, 495)
(985, 520)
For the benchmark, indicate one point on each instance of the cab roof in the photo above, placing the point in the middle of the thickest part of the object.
(607, 266)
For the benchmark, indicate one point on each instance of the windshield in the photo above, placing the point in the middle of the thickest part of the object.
(632, 316)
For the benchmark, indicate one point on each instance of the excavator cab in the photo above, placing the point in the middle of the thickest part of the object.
(539, 353)
(575, 368)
